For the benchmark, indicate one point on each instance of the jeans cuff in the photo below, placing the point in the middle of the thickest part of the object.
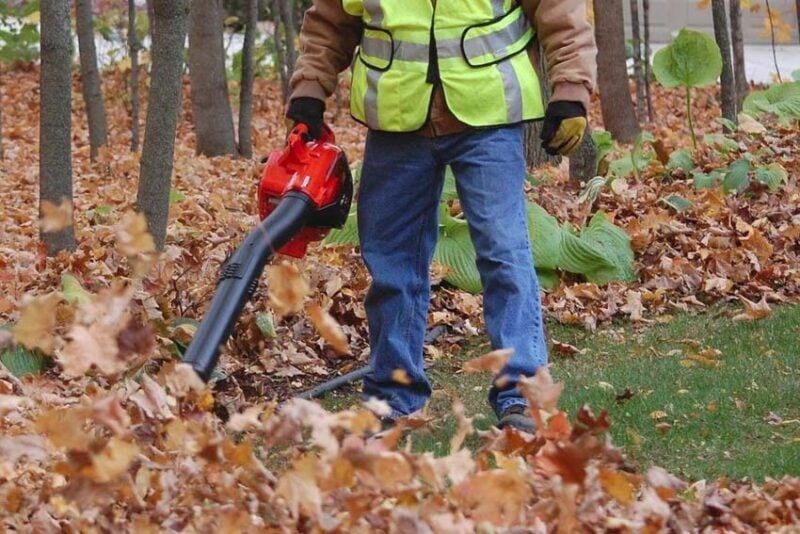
(508, 403)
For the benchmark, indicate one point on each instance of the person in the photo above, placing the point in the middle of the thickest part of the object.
(447, 83)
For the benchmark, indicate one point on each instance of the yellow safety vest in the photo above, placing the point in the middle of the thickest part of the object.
(476, 50)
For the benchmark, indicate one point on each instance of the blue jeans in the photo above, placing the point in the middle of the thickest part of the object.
(399, 194)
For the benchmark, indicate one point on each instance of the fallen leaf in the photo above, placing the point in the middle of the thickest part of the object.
(329, 329)
(37, 323)
(56, 217)
(754, 311)
(400, 376)
(133, 238)
(287, 289)
(493, 362)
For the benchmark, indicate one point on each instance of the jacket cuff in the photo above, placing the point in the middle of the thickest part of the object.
(571, 92)
(308, 88)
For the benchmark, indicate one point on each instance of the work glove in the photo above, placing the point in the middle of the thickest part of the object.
(564, 126)
(306, 110)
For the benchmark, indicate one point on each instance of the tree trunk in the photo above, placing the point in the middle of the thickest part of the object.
(737, 43)
(647, 54)
(151, 17)
(211, 108)
(281, 52)
(638, 73)
(728, 86)
(583, 162)
(290, 34)
(55, 132)
(797, 9)
(535, 155)
(169, 37)
(90, 77)
(248, 77)
(133, 50)
(612, 80)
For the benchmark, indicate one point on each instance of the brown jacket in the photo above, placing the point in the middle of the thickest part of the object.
(330, 36)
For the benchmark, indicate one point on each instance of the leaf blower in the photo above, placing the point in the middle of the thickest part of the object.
(305, 190)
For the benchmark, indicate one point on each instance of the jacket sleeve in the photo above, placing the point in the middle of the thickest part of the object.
(328, 38)
(568, 42)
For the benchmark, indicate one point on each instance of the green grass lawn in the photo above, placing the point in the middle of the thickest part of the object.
(702, 395)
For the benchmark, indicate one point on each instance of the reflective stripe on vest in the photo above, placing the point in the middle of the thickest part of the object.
(482, 64)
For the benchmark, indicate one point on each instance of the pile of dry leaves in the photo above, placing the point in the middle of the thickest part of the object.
(148, 456)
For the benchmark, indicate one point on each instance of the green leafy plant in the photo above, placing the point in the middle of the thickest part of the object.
(600, 252)
(692, 60)
(19, 32)
(681, 159)
(604, 143)
(21, 361)
(637, 160)
(782, 100)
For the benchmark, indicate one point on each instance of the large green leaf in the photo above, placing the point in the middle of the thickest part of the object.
(692, 59)
(614, 245)
(580, 257)
(772, 175)
(545, 234)
(21, 361)
(456, 253)
(347, 235)
(73, 291)
(738, 176)
(449, 191)
(782, 100)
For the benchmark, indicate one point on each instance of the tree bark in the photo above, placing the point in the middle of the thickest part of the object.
(133, 50)
(90, 78)
(248, 77)
(281, 52)
(638, 71)
(583, 162)
(797, 9)
(55, 132)
(737, 43)
(728, 86)
(535, 155)
(647, 54)
(211, 108)
(290, 34)
(155, 177)
(612, 80)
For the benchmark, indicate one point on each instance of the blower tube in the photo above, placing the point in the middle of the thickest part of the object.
(240, 276)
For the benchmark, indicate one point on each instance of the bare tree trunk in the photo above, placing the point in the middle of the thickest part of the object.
(151, 16)
(287, 14)
(248, 77)
(211, 108)
(155, 177)
(535, 155)
(133, 49)
(55, 132)
(638, 73)
(583, 162)
(281, 50)
(90, 78)
(612, 80)
(797, 9)
(647, 54)
(728, 86)
(737, 43)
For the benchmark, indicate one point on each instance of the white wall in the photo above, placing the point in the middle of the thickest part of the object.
(669, 16)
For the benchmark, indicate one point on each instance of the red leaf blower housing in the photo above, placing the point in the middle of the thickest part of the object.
(305, 190)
